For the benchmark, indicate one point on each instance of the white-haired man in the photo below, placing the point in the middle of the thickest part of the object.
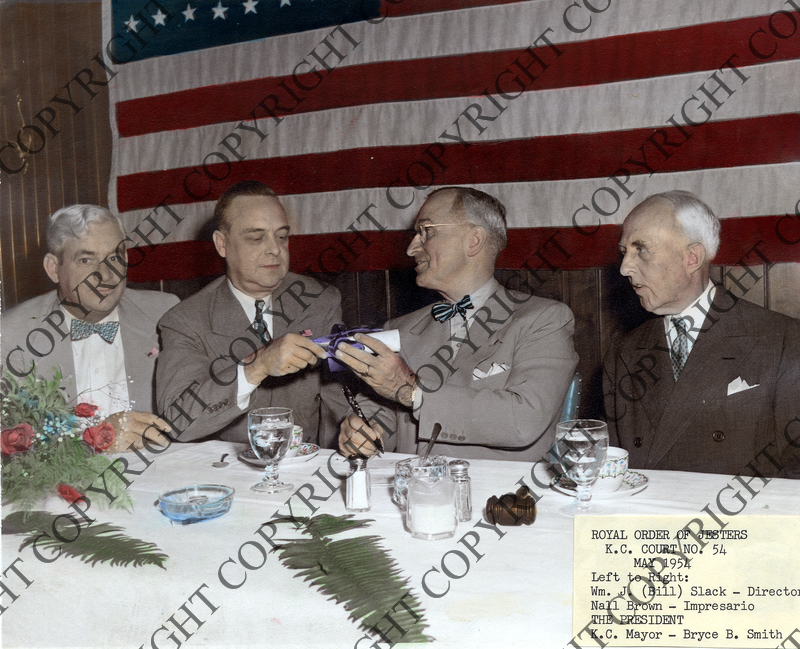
(490, 365)
(100, 334)
(712, 385)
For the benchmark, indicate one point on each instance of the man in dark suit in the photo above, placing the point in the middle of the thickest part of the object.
(244, 341)
(101, 334)
(712, 386)
(490, 365)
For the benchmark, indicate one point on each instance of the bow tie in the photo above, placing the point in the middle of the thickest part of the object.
(81, 329)
(443, 312)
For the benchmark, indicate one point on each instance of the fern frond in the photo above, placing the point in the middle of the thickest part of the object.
(96, 542)
(357, 573)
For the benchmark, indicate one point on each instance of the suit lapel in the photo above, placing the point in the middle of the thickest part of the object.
(652, 351)
(139, 339)
(717, 351)
(61, 356)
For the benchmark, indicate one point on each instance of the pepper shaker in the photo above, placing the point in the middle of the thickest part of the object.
(458, 469)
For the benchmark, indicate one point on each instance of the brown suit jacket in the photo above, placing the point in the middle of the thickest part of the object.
(203, 333)
(506, 415)
(26, 326)
(693, 424)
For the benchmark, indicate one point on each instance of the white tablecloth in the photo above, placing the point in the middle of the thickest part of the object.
(518, 594)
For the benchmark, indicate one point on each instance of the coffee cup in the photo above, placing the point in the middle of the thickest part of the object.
(613, 471)
(297, 440)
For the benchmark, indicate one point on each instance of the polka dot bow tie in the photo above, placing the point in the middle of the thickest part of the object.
(107, 331)
(443, 312)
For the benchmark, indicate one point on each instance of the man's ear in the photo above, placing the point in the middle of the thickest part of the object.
(51, 265)
(695, 257)
(479, 239)
(219, 242)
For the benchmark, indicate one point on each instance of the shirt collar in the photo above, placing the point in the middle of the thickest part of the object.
(248, 302)
(696, 311)
(480, 296)
(111, 317)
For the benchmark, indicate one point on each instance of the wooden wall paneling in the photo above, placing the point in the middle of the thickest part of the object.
(405, 295)
(750, 282)
(373, 308)
(784, 288)
(582, 296)
(46, 46)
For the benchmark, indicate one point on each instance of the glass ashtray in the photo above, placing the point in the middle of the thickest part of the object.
(196, 503)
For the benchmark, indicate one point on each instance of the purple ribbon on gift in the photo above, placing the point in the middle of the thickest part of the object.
(338, 336)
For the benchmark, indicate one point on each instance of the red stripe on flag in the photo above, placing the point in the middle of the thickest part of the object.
(605, 60)
(777, 238)
(413, 7)
(734, 143)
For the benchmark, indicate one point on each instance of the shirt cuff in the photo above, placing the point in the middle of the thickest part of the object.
(243, 389)
(416, 401)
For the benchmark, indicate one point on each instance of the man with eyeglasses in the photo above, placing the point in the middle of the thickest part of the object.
(490, 365)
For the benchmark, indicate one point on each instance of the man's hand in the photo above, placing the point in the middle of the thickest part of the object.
(355, 437)
(285, 355)
(130, 427)
(386, 373)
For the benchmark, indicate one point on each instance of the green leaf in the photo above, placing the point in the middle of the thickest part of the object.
(95, 543)
(356, 572)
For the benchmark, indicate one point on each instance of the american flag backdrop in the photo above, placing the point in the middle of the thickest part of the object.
(569, 113)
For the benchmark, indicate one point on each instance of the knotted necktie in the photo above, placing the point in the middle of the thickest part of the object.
(259, 326)
(79, 329)
(443, 312)
(680, 348)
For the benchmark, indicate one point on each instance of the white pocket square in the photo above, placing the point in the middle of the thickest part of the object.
(739, 385)
(496, 368)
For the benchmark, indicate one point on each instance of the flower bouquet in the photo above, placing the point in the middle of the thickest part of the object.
(48, 448)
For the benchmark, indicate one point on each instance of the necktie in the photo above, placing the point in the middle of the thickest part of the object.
(443, 312)
(680, 348)
(259, 326)
(79, 329)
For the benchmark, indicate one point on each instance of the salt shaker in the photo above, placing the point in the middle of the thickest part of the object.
(357, 487)
(458, 469)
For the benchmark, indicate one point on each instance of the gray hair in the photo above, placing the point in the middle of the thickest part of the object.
(74, 221)
(483, 210)
(697, 220)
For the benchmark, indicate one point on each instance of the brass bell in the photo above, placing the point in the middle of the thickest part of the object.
(512, 509)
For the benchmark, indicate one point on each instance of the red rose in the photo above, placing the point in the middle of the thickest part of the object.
(99, 437)
(70, 494)
(85, 409)
(17, 439)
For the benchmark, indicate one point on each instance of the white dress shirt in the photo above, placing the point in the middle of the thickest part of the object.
(243, 387)
(695, 314)
(100, 376)
(460, 324)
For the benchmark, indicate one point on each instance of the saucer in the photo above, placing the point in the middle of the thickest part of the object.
(632, 483)
(304, 453)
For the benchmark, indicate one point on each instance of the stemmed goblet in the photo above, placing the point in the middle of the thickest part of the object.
(270, 431)
(581, 446)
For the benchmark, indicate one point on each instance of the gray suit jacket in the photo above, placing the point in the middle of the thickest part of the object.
(508, 415)
(30, 332)
(693, 424)
(203, 333)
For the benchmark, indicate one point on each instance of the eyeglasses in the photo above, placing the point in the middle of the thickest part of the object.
(423, 231)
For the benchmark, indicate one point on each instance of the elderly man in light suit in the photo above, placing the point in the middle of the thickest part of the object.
(711, 386)
(490, 365)
(244, 341)
(100, 334)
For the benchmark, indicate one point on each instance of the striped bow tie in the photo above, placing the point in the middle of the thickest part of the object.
(107, 331)
(443, 312)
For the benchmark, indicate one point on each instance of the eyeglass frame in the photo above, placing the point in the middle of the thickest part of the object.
(424, 239)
